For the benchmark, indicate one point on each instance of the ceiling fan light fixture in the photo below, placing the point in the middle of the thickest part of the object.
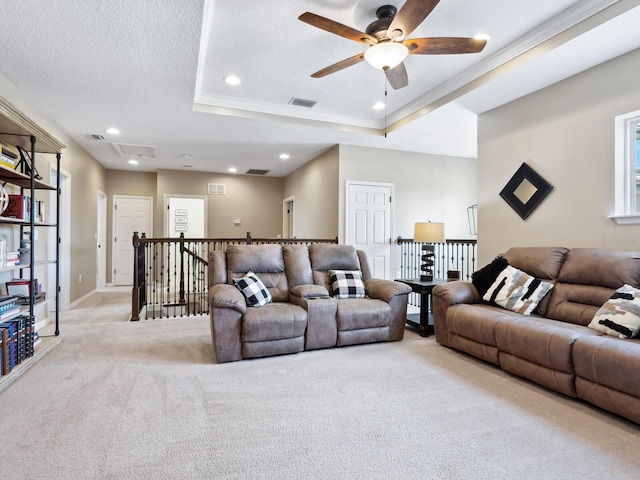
(386, 55)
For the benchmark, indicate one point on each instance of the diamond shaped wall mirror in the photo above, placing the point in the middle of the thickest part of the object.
(525, 191)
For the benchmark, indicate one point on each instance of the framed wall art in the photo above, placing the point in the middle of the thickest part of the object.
(525, 191)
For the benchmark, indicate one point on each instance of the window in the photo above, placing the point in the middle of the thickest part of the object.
(627, 168)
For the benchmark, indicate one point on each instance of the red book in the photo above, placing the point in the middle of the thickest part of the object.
(18, 207)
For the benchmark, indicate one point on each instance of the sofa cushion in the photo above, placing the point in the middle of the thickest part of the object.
(539, 262)
(475, 322)
(274, 322)
(541, 341)
(325, 257)
(606, 268)
(346, 284)
(484, 278)
(266, 261)
(360, 313)
(608, 361)
(254, 291)
(620, 315)
(517, 291)
(297, 265)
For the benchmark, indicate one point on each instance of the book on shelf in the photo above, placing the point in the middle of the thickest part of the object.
(9, 312)
(9, 340)
(7, 300)
(17, 341)
(9, 156)
(19, 207)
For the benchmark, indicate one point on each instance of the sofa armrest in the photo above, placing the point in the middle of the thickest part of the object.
(385, 290)
(457, 292)
(447, 295)
(309, 291)
(224, 295)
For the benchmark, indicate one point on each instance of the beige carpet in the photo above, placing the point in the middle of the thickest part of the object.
(119, 400)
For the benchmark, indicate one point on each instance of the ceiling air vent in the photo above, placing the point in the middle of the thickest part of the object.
(215, 189)
(135, 150)
(97, 136)
(301, 102)
(255, 171)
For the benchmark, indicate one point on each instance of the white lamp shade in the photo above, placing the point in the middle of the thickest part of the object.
(386, 55)
(428, 232)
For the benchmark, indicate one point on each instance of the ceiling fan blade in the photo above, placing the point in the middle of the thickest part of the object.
(412, 14)
(336, 67)
(397, 76)
(444, 45)
(337, 28)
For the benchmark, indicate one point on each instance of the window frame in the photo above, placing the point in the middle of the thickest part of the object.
(625, 169)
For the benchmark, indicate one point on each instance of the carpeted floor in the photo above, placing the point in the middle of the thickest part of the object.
(120, 400)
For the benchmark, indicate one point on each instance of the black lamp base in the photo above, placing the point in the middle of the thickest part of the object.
(427, 258)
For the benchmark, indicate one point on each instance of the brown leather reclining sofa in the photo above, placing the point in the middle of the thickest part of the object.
(302, 314)
(553, 347)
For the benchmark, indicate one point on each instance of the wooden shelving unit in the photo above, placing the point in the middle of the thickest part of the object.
(18, 130)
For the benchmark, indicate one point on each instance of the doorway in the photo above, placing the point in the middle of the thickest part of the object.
(287, 218)
(368, 223)
(130, 214)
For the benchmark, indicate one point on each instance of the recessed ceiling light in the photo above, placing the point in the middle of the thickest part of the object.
(482, 36)
(378, 106)
(285, 156)
(232, 170)
(232, 80)
(133, 162)
(112, 131)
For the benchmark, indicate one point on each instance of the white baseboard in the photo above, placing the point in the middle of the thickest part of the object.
(82, 299)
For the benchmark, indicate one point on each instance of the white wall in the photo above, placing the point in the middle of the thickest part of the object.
(566, 133)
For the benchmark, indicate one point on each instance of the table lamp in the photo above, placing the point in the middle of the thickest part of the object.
(428, 233)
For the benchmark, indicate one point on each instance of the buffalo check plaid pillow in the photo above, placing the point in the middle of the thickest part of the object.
(253, 290)
(347, 284)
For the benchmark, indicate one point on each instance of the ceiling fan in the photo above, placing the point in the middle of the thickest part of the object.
(387, 40)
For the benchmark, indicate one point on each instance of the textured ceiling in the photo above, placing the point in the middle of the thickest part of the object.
(154, 69)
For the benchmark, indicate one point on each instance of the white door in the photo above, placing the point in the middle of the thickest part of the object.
(131, 214)
(101, 239)
(186, 215)
(368, 224)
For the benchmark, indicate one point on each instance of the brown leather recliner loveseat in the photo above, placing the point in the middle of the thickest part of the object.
(553, 347)
(303, 313)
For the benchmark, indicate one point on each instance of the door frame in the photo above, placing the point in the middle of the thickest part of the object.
(101, 241)
(391, 186)
(64, 227)
(113, 227)
(288, 223)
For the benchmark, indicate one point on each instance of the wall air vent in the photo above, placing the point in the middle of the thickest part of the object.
(301, 102)
(215, 189)
(135, 150)
(255, 171)
(97, 136)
